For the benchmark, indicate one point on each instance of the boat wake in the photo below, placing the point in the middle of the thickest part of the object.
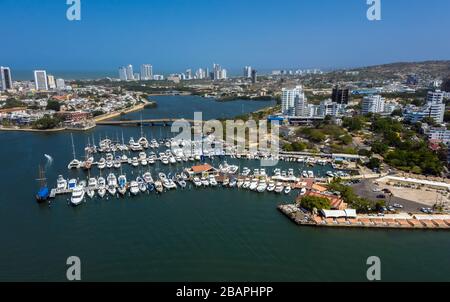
(49, 160)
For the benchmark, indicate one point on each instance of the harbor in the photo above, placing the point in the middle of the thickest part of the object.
(178, 164)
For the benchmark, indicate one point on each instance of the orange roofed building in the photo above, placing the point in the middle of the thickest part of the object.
(336, 202)
(201, 169)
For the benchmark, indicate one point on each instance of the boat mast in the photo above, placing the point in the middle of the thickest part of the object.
(73, 146)
(42, 179)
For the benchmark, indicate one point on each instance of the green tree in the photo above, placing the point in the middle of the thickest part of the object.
(314, 202)
(53, 105)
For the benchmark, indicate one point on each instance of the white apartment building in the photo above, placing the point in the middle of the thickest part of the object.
(40, 80)
(146, 72)
(293, 101)
(51, 82)
(434, 108)
(372, 104)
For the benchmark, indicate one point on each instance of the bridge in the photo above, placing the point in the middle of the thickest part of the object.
(164, 122)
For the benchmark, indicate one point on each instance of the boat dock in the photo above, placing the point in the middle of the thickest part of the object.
(388, 221)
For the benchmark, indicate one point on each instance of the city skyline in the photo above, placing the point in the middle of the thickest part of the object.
(294, 34)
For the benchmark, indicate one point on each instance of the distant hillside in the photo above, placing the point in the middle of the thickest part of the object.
(426, 70)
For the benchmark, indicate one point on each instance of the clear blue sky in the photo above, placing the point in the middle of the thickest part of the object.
(177, 34)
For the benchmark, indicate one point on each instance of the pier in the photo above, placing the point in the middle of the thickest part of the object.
(164, 122)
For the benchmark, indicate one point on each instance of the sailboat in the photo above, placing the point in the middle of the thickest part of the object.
(75, 163)
(43, 194)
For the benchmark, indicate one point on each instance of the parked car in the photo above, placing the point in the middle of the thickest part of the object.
(381, 196)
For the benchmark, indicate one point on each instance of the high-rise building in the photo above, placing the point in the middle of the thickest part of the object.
(188, 74)
(293, 101)
(372, 104)
(146, 72)
(123, 74)
(340, 96)
(254, 76)
(40, 80)
(223, 74)
(60, 84)
(5, 78)
(200, 74)
(51, 82)
(217, 72)
(247, 72)
(130, 73)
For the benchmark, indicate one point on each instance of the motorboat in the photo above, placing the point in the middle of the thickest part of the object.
(279, 187)
(135, 162)
(226, 181)
(135, 146)
(310, 174)
(122, 182)
(134, 188)
(254, 184)
(101, 163)
(72, 184)
(212, 180)
(61, 183)
(74, 164)
(112, 184)
(303, 191)
(271, 186)
(101, 187)
(246, 183)
(205, 181)
(117, 163)
(172, 160)
(262, 186)
(92, 183)
(144, 142)
(246, 171)
(197, 182)
(240, 183)
(288, 189)
(148, 177)
(141, 183)
(181, 182)
(77, 195)
(305, 174)
(233, 183)
(158, 186)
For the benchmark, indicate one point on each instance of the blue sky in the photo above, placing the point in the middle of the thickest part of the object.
(177, 34)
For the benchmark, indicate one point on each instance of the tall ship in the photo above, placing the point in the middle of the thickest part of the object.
(44, 193)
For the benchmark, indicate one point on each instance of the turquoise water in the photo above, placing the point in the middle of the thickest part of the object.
(186, 235)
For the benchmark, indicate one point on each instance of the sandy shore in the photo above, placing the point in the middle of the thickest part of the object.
(111, 115)
(31, 130)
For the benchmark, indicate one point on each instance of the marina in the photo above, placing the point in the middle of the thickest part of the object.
(189, 162)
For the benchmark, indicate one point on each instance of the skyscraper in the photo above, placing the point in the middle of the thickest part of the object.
(130, 73)
(123, 74)
(146, 72)
(51, 82)
(60, 84)
(293, 101)
(247, 72)
(40, 80)
(372, 104)
(340, 96)
(254, 76)
(5, 78)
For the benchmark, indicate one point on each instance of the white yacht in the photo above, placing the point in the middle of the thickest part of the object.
(262, 186)
(254, 184)
(271, 186)
(246, 183)
(72, 184)
(212, 181)
(310, 174)
(92, 183)
(112, 184)
(141, 183)
(90, 192)
(279, 187)
(288, 189)
(134, 146)
(246, 171)
(144, 142)
(135, 162)
(148, 178)
(77, 195)
(74, 164)
(122, 181)
(134, 188)
(197, 182)
(205, 181)
(101, 163)
(240, 183)
(101, 187)
(61, 183)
